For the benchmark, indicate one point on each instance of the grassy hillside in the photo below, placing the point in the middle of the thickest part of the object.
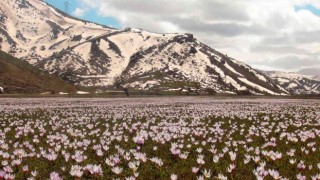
(18, 76)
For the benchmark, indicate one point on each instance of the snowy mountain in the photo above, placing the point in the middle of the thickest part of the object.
(296, 83)
(89, 54)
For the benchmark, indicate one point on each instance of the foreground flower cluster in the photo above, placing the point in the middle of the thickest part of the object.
(159, 138)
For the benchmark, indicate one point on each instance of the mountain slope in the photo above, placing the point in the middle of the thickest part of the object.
(310, 72)
(17, 76)
(296, 83)
(88, 54)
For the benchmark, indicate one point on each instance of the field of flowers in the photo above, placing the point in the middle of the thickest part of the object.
(159, 138)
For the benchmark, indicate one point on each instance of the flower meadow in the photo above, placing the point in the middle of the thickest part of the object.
(159, 138)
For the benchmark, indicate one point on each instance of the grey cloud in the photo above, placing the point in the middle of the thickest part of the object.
(224, 29)
(280, 40)
(154, 7)
(234, 29)
(278, 49)
(219, 10)
(307, 37)
(293, 62)
(247, 28)
(277, 21)
(297, 37)
(207, 9)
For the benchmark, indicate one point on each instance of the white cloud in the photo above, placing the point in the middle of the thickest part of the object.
(255, 31)
(79, 12)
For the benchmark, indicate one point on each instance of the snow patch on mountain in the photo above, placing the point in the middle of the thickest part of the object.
(296, 83)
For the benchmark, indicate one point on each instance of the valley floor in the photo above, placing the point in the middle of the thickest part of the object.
(159, 138)
(151, 95)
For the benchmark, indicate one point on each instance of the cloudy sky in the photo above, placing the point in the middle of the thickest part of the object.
(266, 34)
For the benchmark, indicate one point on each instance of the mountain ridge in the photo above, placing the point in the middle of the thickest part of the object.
(296, 83)
(89, 54)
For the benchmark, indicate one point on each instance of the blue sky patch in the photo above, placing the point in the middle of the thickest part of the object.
(89, 15)
(308, 7)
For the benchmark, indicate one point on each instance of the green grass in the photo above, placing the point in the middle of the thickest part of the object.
(18, 76)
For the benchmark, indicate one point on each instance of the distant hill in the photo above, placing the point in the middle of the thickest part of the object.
(18, 76)
(310, 72)
(296, 83)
